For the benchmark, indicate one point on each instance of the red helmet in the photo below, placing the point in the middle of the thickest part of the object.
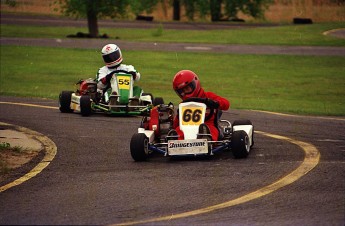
(186, 84)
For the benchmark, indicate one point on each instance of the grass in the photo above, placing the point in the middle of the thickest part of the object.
(276, 35)
(4, 146)
(291, 84)
(7, 147)
(5, 151)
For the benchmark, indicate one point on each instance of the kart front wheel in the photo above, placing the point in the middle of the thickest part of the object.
(85, 105)
(65, 101)
(139, 147)
(245, 122)
(147, 94)
(240, 144)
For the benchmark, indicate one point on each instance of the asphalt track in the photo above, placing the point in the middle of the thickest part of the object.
(294, 175)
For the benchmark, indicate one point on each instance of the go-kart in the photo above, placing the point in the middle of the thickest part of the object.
(153, 135)
(121, 101)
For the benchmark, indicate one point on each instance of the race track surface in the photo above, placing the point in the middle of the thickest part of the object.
(93, 179)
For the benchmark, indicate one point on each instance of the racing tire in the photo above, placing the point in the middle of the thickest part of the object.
(65, 101)
(148, 94)
(139, 147)
(244, 122)
(85, 105)
(240, 144)
(158, 101)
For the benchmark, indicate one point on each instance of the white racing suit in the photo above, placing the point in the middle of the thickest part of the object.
(104, 75)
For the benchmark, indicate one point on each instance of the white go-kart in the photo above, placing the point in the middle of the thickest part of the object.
(153, 134)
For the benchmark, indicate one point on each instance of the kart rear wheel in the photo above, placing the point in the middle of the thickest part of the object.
(158, 101)
(65, 101)
(240, 144)
(85, 105)
(139, 147)
(148, 94)
(245, 122)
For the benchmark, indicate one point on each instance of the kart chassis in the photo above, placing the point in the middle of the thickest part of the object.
(121, 101)
(237, 137)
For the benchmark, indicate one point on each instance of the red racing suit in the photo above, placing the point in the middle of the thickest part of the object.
(224, 104)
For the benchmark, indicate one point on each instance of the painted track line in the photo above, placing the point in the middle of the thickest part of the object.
(298, 116)
(311, 159)
(29, 105)
(50, 150)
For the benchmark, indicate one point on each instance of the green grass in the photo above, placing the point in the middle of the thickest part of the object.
(5, 151)
(292, 84)
(279, 35)
(7, 147)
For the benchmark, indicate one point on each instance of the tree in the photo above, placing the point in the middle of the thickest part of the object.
(92, 10)
(216, 10)
(254, 8)
(141, 6)
(95, 9)
(194, 6)
(176, 9)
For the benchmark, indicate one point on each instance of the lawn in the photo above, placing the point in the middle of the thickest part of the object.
(275, 35)
(291, 84)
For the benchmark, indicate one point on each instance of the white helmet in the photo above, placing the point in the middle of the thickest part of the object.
(112, 55)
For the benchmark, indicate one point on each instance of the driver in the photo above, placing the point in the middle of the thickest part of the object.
(187, 84)
(112, 58)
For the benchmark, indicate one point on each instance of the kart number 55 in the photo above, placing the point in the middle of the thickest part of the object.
(123, 82)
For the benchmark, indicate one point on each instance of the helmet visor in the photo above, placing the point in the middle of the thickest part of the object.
(111, 57)
(187, 89)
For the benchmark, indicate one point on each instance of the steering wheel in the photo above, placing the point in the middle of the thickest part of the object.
(202, 100)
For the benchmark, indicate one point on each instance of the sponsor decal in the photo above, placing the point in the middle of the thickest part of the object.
(187, 144)
(187, 147)
(192, 115)
(123, 82)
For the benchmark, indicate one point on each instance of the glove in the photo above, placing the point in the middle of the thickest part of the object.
(212, 103)
(137, 76)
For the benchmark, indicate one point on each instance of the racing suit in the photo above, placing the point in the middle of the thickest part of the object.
(224, 104)
(104, 76)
